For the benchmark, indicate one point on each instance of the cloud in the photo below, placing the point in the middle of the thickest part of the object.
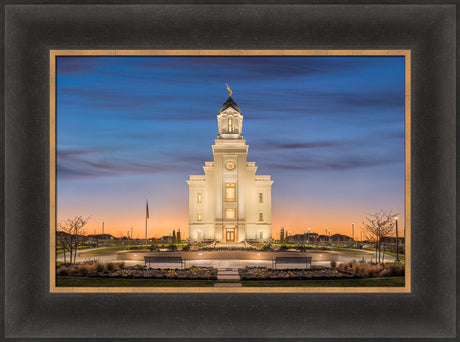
(74, 65)
(206, 69)
(248, 68)
(297, 103)
(276, 145)
(336, 164)
(77, 164)
(108, 162)
(107, 97)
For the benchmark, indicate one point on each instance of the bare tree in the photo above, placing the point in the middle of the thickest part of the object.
(72, 230)
(377, 226)
(64, 239)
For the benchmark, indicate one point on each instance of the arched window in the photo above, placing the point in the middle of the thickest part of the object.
(230, 192)
(230, 213)
(230, 124)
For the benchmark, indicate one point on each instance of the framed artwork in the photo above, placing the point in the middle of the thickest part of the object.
(66, 39)
(233, 239)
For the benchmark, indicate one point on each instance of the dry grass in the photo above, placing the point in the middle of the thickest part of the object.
(367, 270)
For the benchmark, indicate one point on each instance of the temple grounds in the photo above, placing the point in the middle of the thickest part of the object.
(225, 259)
(224, 262)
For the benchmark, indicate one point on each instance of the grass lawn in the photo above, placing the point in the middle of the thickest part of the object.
(126, 247)
(80, 282)
(77, 282)
(116, 248)
(378, 282)
(401, 256)
(343, 249)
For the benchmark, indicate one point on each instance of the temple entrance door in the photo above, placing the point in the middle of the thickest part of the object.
(230, 235)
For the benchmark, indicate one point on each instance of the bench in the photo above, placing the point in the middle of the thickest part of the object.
(291, 260)
(164, 259)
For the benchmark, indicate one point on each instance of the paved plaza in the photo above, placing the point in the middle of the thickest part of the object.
(343, 257)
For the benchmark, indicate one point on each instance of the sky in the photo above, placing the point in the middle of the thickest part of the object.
(329, 131)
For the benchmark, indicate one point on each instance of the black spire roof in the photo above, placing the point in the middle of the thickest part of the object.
(230, 103)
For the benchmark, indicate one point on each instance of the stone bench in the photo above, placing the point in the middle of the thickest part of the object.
(291, 260)
(164, 260)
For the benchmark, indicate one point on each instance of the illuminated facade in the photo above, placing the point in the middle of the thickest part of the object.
(230, 203)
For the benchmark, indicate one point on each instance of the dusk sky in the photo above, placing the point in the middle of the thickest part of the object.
(329, 131)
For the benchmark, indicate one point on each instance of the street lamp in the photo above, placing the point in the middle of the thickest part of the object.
(308, 235)
(397, 242)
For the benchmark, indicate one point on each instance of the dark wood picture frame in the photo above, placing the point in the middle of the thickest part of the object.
(55, 54)
(31, 312)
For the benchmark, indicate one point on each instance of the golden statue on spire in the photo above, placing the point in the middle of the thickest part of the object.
(229, 90)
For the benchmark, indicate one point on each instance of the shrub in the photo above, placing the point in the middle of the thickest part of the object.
(368, 272)
(73, 270)
(110, 266)
(186, 248)
(91, 261)
(267, 247)
(301, 248)
(63, 272)
(397, 270)
(283, 248)
(386, 272)
(100, 268)
(172, 248)
(121, 265)
(83, 270)
(356, 268)
(153, 248)
(333, 264)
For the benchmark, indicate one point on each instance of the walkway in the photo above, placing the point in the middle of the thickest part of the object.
(228, 274)
(231, 244)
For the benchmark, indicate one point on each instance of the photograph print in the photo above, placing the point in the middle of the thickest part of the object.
(230, 172)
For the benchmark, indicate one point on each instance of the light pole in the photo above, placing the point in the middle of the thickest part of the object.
(397, 242)
(326, 239)
(352, 234)
(308, 235)
(102, 228)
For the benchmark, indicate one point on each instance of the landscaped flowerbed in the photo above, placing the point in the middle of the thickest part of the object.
(315, 272)
(118, 270)
(228, 249)
(367, 270)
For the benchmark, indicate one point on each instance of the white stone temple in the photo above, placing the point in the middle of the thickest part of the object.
(230, 203)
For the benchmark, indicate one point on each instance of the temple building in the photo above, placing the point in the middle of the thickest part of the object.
(230, 203)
